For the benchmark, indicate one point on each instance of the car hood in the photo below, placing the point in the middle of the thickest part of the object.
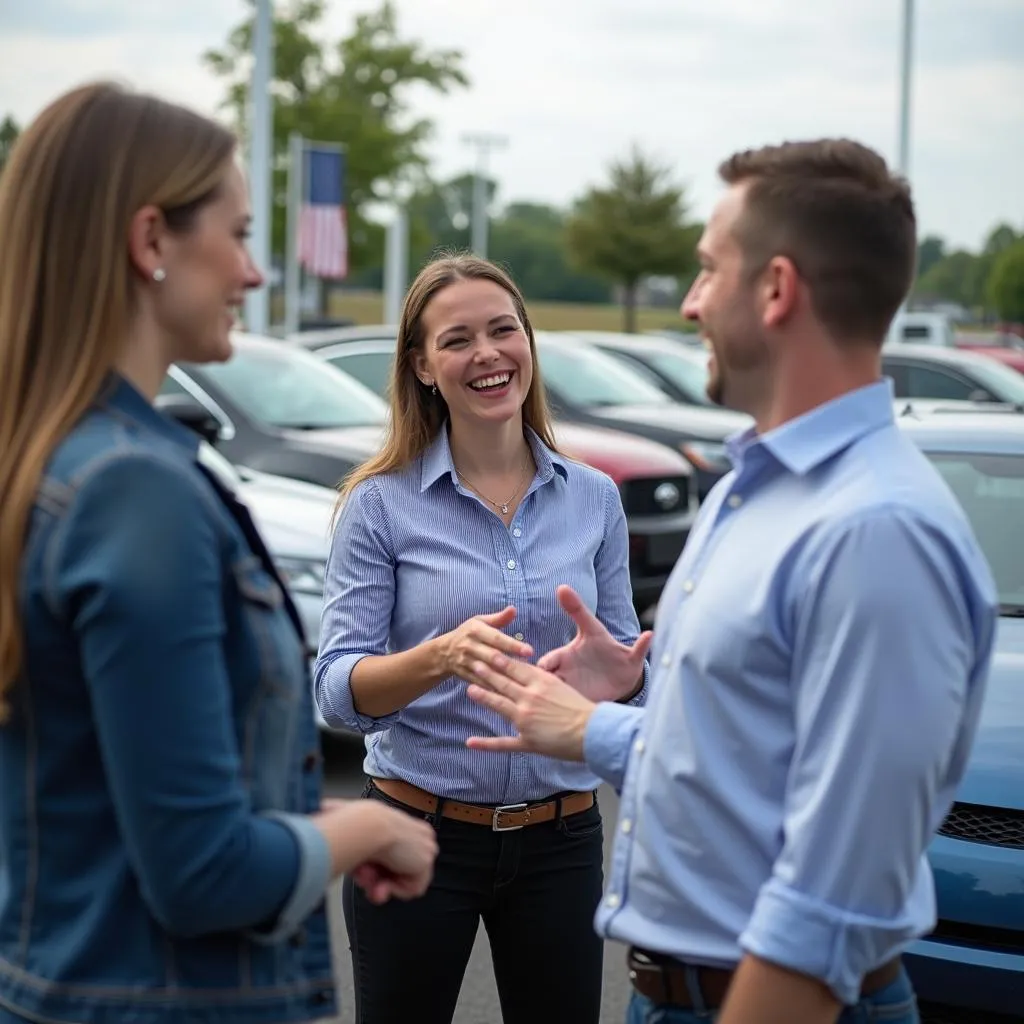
(690, 420)
(622, 456)
(995, 774)
(362, 442)
(293, 517)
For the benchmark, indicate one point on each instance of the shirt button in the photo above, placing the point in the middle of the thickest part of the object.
(639, 746)
(626, 826)
(511, 563)
(666, 660)
(688, 586)
(519, 636)
(517, 532)
(612, 899)
(735, 501)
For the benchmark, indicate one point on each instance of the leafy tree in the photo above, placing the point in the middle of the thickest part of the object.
(930, 251)
(634, 227)
(9, 131)
(354, 91)
(955, 278)
(1006, 283)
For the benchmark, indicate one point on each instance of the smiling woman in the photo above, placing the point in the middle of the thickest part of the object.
(452, 543)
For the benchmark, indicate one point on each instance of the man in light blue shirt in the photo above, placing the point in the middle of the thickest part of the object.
(820, 651)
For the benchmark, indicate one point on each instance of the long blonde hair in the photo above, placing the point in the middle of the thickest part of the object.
(416, 413)
(68, 193)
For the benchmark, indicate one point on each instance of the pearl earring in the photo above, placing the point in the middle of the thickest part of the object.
(159, 274)
(433, 389)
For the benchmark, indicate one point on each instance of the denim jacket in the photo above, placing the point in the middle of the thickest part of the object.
(156, 863)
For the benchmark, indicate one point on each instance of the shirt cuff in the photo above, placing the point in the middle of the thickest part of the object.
(314, 876)
(335, 701)
(608, 740)
(806, 935)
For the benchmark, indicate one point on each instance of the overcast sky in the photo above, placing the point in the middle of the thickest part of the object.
(572, 84)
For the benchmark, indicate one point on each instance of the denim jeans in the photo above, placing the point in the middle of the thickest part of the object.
(535, 890)
(894, 1004)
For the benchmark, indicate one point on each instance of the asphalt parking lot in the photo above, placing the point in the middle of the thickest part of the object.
(478, 1003)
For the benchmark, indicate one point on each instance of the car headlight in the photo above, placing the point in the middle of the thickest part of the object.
(303, 575)
(707, 456)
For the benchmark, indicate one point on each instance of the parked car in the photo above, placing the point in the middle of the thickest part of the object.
(658, 486)
(921, 327)
(970, 969)
(1002, 346)
(922, 371)
(680, 370)
(294, 519)
(276, 408)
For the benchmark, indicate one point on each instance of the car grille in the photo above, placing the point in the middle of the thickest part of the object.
(648, 496)
(993, 826)
(933, 1013)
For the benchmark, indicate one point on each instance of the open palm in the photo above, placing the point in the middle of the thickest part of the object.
(594, 662)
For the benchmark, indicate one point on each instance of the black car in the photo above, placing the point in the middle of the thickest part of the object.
(276, 408)
(590, 387)
(951, 374)
(678, 368)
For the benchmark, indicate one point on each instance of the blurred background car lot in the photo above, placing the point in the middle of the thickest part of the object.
(284, 420)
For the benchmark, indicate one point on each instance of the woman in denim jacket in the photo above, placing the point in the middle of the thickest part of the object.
(164, 853)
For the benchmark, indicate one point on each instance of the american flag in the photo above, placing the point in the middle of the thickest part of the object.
(323, 228)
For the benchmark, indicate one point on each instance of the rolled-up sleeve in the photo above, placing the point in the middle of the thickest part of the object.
(615, 608)
(887, 685)
(359, 597)
(136, 570)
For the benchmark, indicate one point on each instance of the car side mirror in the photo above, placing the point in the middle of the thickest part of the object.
(190, 413)
(981, 395)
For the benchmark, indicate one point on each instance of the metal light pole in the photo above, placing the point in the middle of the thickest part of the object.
(257, 301)
(483, 143)
(906, 59)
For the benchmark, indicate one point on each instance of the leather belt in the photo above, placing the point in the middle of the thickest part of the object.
(663, 980)
(502, 818)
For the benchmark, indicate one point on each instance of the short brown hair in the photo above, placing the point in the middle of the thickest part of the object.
(417, 412)
(834, 208)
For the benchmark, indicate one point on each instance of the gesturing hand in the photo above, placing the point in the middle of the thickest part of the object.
(404, 866)
(594, 662)
(550, 715)
(476, 640)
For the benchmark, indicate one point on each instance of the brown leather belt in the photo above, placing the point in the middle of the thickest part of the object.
(503, 818)
(663, 980)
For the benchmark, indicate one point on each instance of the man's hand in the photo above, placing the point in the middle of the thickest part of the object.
(551, 716)
(594, 662)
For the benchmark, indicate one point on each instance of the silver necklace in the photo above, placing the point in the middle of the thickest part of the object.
(502, 506)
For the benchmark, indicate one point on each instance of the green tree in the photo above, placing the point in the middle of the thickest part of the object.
(9, 131)
(955, 278)
(354, 91)
(1005, 290)
(930, 251)
(634, 227)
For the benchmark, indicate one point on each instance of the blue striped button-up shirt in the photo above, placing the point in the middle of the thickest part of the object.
(819, 664)
(414, 555)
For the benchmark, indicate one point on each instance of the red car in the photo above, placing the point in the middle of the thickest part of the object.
(1006, 347)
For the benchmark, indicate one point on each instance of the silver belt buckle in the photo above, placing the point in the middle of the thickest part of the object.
(496, 826)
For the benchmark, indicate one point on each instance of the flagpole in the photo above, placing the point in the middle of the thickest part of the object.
(260, 170)
(396, 263)
(292, 272)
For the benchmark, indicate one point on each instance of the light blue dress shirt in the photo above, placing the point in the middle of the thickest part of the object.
(414, 555)
(819, 663)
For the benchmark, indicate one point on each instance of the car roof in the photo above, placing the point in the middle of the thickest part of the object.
(966, 431)
(641, 343)
(936, 354)
(337, 335)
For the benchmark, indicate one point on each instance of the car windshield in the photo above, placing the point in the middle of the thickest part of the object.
(289, 388)
(1000, 381)
(688, 373)
(990, 488)
(588, 377)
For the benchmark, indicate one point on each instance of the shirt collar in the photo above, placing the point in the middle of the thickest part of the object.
(803, 443)
(124, 399)
(437, 461)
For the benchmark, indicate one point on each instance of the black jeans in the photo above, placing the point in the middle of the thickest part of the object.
(536, 890)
